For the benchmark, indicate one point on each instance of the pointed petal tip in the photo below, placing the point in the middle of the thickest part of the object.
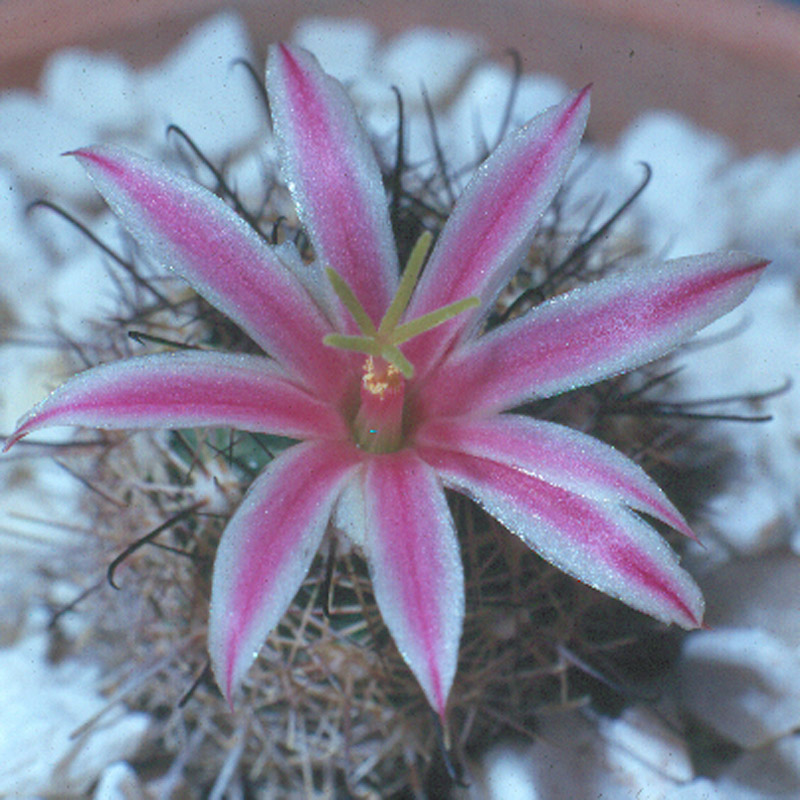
(279, 52)
(678, 522)
(20, 432)
(667, 513)
(441, 710)
(745, 269)
(231, 684)
(689, 607)
(695, 621)
(581, 101)
(88, 153)
(98, 156)
(760, 264)
(223, 677)
(11, 440)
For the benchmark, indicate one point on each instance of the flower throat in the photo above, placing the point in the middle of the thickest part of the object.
(378, 426)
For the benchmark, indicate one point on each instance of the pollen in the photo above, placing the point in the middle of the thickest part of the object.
(383, 379)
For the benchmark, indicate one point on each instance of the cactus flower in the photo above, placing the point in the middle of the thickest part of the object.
(388, 383)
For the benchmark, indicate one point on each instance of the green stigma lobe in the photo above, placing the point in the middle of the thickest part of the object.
(393, 355)
(361, 344)
(407, 283)
(350, 301)
(384, 341)
(415, 327)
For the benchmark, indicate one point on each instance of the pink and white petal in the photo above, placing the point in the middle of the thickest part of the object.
(591, 333)
(416, 569)
(494, 221)
(332, 173)
(186, 389)
(350, 516)
(557, 455)
(267, 549)
(184, 227)
(602, 544)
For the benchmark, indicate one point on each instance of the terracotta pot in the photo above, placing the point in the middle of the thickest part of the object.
(731, 65)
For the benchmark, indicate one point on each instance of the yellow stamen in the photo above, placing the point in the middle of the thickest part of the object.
(380, 381)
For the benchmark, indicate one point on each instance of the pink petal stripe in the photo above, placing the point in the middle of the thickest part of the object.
(267, 549)
(602, 544)
(494, 221)
(557, 455)
(591, 333)
(186, 389)
(416, 568)
(184, 227)
(334, 178)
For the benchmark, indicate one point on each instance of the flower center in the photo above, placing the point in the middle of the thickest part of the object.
(379, 422)
(378, 426)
